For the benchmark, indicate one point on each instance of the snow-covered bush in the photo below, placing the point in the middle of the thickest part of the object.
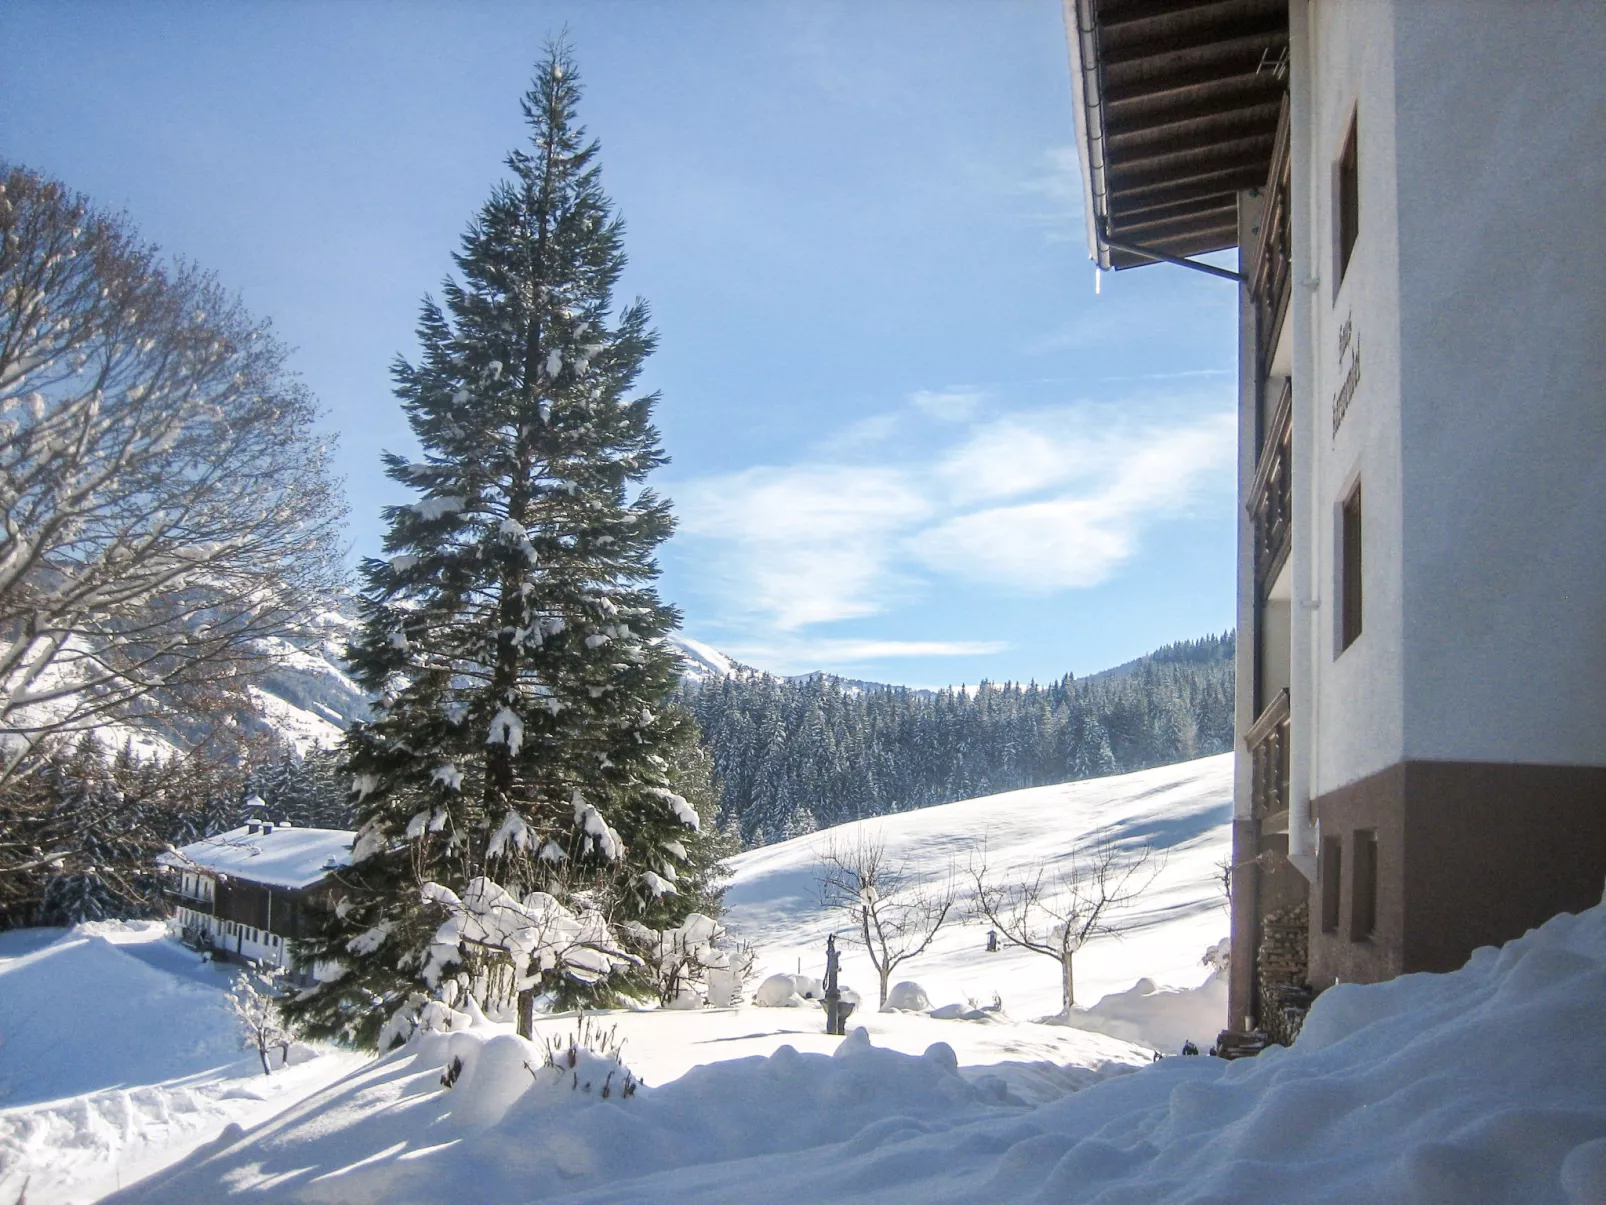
(254, 999)
(693, 963)
(907, 996)
(795, 991)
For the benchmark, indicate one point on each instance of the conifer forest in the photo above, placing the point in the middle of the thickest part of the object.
(794, 755)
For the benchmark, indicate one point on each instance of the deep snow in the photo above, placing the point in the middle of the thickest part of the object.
(118, 1055)
(1488, 1084)
(280, 856)
(1484, 1085)
(171, 1094)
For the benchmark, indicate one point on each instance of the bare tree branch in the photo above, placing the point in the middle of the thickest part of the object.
(894, 918)
(167, 517)
(1089, 895)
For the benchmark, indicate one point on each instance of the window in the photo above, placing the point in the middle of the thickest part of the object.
(1363, 894)
(1349, 570)
(1348, 207)
(1330, 870)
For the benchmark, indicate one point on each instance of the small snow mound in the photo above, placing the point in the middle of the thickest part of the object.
(496, 1072)
(1583, 1173)
(908, 996)
(779, 992)
(943, 1055)
(1162, 1018)
(856, 1042)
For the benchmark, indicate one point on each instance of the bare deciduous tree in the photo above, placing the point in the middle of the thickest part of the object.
(1056, 914)
(166, 509)
(894, 916)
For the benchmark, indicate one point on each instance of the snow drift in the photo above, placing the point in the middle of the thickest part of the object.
(1484, 1085)
(118, 1054)
(83, 1014)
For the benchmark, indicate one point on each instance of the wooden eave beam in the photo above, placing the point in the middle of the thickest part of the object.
(1192, 129)
(1159, 231)
(1126, 219)
(1167, 42)
(1213, 95)
(1179, 80)
(1124, 259)
(1166, 163)
(1181, 15)
(1231, 56)
(1208, 217)
(1168, 192)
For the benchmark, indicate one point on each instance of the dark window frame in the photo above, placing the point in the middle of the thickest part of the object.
(1331, 875)
(1347, 198)
(1351, 568)
(1363, 885)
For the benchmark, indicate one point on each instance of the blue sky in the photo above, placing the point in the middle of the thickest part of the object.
(909, 441)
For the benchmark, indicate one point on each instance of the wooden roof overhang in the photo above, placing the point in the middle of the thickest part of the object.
(1177, 104)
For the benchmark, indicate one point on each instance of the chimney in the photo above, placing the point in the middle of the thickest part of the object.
(253, 827)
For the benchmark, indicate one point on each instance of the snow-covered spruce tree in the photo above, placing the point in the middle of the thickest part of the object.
(514, 801)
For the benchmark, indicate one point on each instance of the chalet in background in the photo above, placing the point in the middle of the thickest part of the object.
(248, 893)
(1414, 189)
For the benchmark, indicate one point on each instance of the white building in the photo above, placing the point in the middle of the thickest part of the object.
(1417, 193)
(247, 892)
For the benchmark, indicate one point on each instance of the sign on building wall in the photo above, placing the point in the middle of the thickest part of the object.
(1349, 352)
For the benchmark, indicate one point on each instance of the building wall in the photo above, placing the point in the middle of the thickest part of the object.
(1502, 246)
(1353, 324)
(247, 920)
(1488, 801)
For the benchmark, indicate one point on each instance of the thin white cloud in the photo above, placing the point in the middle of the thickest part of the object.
(804, 544)
(802, 656)
(1039, 501)
(947, 405)
(1078, 538)
(860, 436)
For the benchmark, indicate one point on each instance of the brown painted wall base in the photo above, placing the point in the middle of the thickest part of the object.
(1468, 854)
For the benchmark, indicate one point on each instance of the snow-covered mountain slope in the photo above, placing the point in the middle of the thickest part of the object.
(703, 662)
(308, 695)
(309, 698)
(1184, 812)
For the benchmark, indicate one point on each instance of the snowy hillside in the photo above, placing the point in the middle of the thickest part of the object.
(1185, 811)
(310, 699)
(118, 1055)
(1485, 1085)
(703, 662)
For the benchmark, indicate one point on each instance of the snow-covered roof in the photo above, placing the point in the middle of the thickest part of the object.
(279, 857)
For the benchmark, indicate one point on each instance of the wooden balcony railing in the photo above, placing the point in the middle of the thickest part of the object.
(1271, 496)
(1268, 754)
(1269, 278)
(194, 903)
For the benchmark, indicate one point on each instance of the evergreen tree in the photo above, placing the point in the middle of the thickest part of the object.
(513, 638)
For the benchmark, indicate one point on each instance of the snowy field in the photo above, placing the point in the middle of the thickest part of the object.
(1183, 811)
(1486, 1085)
(117, 1054)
